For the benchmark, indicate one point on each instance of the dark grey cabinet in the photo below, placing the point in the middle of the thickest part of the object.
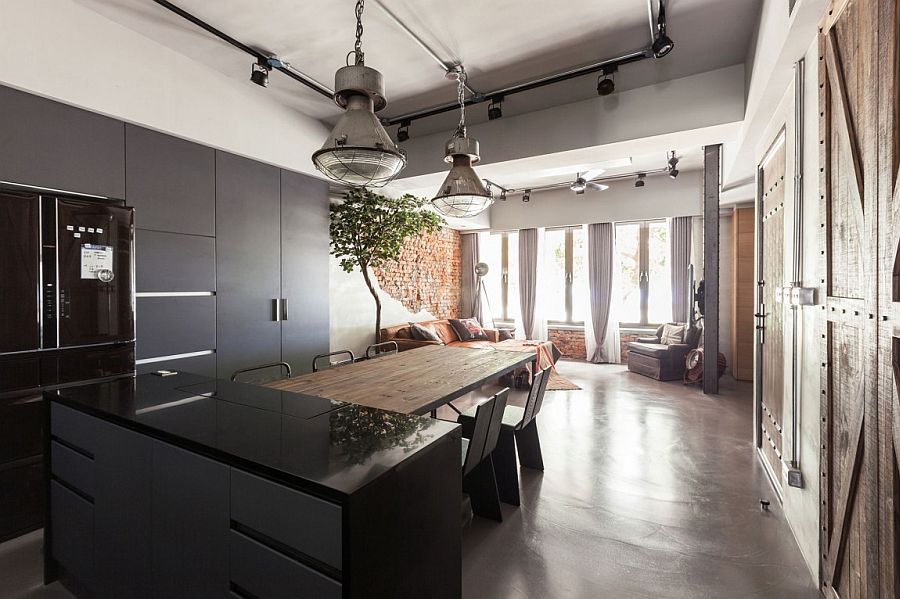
(248, 263)
(190, 524)
(48, 144)
(304, 269)
(172, 262)
(170, 182)
(175, 325)
(122, 512)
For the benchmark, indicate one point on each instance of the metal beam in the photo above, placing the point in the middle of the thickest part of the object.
(711, 178)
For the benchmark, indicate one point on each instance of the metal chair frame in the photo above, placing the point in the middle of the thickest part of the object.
(378, 352)
(315, 366)
(285, 365)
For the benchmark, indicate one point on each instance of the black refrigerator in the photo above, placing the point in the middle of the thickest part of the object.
(66, 318)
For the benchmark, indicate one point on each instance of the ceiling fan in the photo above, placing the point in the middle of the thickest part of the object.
(584, 181)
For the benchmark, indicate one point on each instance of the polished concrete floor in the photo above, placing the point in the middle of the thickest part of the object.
(650, 490)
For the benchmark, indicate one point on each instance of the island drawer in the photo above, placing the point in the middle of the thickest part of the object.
(73, 532)
(75, 469)
(302, 522)
(73, 428)
(264, 573)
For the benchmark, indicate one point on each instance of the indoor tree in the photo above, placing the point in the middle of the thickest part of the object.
(368, 230)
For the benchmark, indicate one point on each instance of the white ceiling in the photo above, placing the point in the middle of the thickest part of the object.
(501, 42)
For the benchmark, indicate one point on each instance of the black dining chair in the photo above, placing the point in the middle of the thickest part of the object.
(351, 359)
(479, 480)
(385, 348)
(287, 370)
(518, 434)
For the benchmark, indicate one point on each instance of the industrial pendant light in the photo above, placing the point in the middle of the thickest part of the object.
(359, 152)
(463, 194)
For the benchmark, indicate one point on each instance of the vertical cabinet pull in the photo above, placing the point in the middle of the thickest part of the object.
(276, 310)
(284, 308)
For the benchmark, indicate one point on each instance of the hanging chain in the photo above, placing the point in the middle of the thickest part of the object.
(461, 98)
(357, 48)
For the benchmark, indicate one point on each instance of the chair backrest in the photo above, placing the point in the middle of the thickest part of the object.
(496, 422)
(382, 349)
(535, 396)
(285, 365)
(488, 418)
(349, 360)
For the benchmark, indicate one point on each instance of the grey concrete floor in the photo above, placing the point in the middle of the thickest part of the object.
(650, 490)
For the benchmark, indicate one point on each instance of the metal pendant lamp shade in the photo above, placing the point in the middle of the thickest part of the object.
(463, 194)
(359, 152)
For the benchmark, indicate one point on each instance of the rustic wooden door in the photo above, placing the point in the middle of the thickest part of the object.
(858, 167)
(770, 314)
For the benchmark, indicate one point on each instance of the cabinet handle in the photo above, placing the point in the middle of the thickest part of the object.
(284, 308)
(276, 310)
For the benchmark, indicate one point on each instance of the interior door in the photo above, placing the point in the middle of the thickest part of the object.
(19, 265)
(770, 316)
(858, 181)
(95, 244)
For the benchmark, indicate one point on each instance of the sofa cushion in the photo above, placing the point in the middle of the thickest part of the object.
(468, 329)
(444, 330)
(656, 350)
(672, 333)
(403, 333)
(506, 334)
(424, 332)
(692, 336)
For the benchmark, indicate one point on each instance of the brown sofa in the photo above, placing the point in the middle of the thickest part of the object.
(402, 335)
(650, 357)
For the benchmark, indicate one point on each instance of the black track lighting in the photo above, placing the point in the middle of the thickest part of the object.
(673, 165)
(663, 44)
(640, 180)
(259, 73)
(495, 110)
(605, 83)
(526, 197)
(502, 195)
(673, 173)
(403, 132)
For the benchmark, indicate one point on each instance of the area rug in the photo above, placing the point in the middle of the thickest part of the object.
(558, 382)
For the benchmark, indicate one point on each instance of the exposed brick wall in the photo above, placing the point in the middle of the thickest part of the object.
(569, 342)
(427, 274)
(625, 338)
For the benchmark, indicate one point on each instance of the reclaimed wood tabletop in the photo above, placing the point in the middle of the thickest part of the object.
(410, 382)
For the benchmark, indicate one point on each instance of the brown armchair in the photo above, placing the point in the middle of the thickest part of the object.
(649, 356)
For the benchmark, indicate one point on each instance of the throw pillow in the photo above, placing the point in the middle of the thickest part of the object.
(692, 336)
(468, 329)
(403, 333)
(505, 334)
(424, 332)
(672, 334)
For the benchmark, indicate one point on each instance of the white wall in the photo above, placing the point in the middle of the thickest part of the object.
(66, 52)
(353, 310)
(661, 197)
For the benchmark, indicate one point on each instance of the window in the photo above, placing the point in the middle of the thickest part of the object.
(563, 275)
(645, 286)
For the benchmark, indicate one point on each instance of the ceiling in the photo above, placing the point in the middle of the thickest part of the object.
(500, 42)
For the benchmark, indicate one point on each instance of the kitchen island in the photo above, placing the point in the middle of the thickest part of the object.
(186, 486)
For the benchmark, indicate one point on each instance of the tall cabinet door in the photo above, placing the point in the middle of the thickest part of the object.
(304, 269)
(248, 263)
(19, 256)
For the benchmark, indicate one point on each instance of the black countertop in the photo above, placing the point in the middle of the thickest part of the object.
(326, 447)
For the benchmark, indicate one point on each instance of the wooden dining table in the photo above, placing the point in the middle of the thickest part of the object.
(416, 381)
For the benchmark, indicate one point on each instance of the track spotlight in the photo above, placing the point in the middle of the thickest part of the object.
(640, 180)
(605, 83)
(259, 73)
(526, 197)
(502, 195)
(403, 132)
(663, 44)
(673, 173)
(673, 165)
(495, 110)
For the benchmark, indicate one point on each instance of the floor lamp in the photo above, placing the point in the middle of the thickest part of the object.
(481, 270)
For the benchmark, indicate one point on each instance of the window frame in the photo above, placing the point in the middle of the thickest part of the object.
(644, 270)
(569, 250)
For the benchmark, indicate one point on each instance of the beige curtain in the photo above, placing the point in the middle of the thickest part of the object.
(601, 331)
(680, 229)
(469, 304)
